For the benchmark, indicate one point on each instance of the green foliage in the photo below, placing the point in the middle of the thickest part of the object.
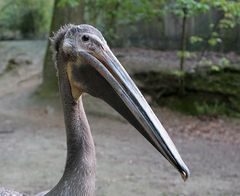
(178, 73)
(215, 68)
(221, 64)
(191, 104)
(71, 3)
(209, 90)
(212, 109)
(214, 39)
(230, 10)
(224, 62)
(205, 62)
(185, 54)
(112, 15)
(187, 7)
(119, 13)
(31, 18)
(125, 11)
(195, 39)
(230, 18)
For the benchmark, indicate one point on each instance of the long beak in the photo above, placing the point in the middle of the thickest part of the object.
(114, 73)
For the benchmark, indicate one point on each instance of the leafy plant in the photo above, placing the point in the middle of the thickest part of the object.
(228, 18)
(186, 9)
(31, 18)
(71, 3)
(119, 13)
(215, 108)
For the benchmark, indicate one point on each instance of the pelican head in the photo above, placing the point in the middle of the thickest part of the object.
(92, 68)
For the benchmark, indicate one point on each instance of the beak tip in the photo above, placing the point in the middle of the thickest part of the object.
(185, 174)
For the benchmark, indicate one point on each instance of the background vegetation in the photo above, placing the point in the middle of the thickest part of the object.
(25, 19)
(193, 28)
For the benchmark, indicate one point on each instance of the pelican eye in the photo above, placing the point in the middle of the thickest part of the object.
(85, 38)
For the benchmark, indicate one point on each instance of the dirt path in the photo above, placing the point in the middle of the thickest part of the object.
(33, 150)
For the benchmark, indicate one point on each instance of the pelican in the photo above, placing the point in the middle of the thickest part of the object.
(85, 64)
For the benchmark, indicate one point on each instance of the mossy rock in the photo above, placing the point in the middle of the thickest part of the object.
(14, 63)
(207, 92)
(226, 81)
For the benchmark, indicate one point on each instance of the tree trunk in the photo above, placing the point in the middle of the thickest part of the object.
(183, 41)
(61, 16)
(183, 50)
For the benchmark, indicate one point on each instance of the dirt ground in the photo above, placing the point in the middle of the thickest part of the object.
(33, 149)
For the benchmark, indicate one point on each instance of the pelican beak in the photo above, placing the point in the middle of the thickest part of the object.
(143, 118)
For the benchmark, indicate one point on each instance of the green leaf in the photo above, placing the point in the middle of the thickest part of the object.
(215, 68)
(178, 73)
(71, 3)
(214, 41)
(195, 39)
(185, 54)
(224, 62)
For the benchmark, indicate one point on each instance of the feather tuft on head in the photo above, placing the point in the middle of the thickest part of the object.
(58, 36)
